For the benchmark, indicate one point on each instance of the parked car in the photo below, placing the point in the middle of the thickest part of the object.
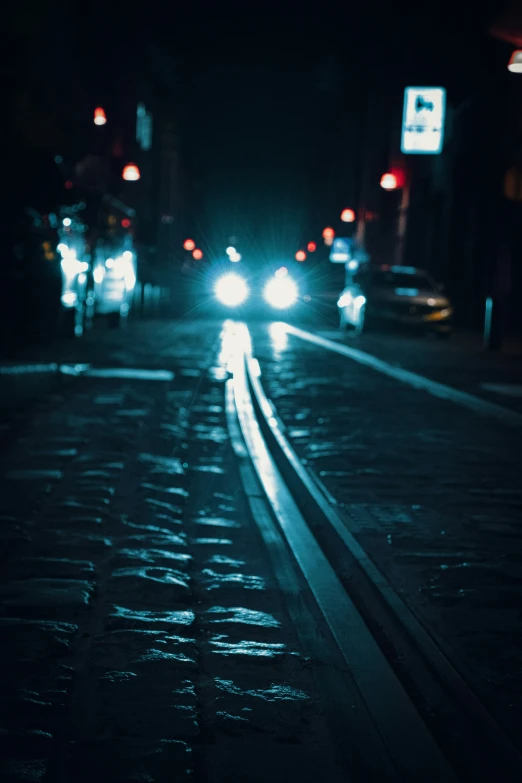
(77, 296)
(114, 274)
(395, 296)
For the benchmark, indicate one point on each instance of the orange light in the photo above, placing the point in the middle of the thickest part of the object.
(348, 216)
(189, 244)
(99, 116)
(300, 255)
(312, 247)
(125, 223)
(389, 181)
(197, 254)
(328, 233)
(131, 172)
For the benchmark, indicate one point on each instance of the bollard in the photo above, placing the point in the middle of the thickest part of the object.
(156, 293)
(493, 324)
(488, 315)
(147, 291)
(136, 298)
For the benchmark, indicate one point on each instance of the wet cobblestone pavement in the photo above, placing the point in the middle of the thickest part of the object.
(144, 633)
(430, 489)
(144, 637)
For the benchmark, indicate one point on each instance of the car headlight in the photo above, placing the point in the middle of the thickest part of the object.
(439, 315)
(346, 299)
(231, 290)
(281, 292)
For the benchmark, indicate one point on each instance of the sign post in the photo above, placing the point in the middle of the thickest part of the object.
(423, 120)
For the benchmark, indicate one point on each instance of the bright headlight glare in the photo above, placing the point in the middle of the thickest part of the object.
(281, 292)
(231, 290)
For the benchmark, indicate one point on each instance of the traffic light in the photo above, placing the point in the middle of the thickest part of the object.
(328, 236)
(348, 216)
(389, 181)
(311, 247)
(131, 172)
(99, 116)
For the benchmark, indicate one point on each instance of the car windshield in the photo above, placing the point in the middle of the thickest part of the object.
(402, 280)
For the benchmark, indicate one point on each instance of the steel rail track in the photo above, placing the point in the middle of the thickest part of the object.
(417, 719)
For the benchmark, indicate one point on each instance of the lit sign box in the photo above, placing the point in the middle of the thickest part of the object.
(341, 251)
(423, 120)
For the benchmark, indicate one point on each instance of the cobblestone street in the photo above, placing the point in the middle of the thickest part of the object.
(146, 635)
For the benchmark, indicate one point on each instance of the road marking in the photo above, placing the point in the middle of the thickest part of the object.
(127, 373)
(509, 389)
(470, 401)
(27, 369)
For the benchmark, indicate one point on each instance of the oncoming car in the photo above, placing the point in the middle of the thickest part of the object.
(273, 289)
(397, 296)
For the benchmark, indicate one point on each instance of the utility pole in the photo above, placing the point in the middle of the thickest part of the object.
(402, 224)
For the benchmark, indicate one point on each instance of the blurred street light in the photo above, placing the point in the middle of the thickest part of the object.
(300, 255)
(99, 116)
(197, 254)
(389, 181)
(189, 244)
(311, 247)
(328, 233)
(515, 62)
(233, 255)
(348, 216)
(131, 172)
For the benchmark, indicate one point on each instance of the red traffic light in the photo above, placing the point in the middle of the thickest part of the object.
(99, 116)
(131, 172)
(312, 247)
(328, 233)
(389, 181)
(125, 223)
(197, 254)
(300, 255)
(348, 216)
(189, 244)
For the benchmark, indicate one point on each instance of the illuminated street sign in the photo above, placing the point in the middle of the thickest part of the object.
(341, 251)
(423, 120)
